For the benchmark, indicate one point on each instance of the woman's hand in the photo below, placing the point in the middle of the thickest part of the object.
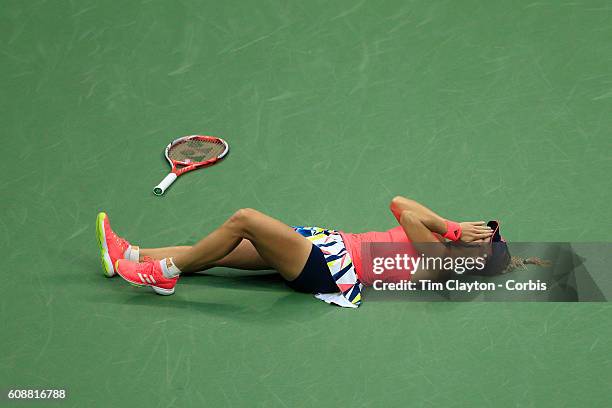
(475, 231)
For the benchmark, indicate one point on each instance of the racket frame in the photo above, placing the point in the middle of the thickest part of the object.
(187, 165)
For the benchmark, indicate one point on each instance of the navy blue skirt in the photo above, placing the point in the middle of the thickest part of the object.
(315, 276)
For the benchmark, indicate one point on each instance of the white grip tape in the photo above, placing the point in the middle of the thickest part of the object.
(165, 183)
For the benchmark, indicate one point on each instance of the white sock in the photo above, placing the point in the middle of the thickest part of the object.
(169, 269)
(132, 253)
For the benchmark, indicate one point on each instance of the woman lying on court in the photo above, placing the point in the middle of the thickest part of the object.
(324, 262)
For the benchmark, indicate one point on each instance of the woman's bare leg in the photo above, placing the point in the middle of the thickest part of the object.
(161, 253)
(244, 256)
(278, 245)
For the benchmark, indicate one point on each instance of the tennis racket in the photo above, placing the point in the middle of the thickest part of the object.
(190, 153)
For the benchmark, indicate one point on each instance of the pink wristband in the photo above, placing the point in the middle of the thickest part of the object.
(453, 230)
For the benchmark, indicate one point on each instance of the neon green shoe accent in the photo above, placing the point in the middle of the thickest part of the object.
(107, 266)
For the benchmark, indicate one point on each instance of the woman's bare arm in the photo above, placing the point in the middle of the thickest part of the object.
(418, 223)
(430, 219)
(471, 231)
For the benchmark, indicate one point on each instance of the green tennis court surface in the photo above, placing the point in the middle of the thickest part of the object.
(478, 109)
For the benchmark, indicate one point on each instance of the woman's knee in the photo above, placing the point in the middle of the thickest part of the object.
(242, 218)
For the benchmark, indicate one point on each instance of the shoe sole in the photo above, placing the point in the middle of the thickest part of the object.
(107, 263)
(156, 289)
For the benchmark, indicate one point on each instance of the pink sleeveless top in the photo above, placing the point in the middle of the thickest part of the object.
(353, 244)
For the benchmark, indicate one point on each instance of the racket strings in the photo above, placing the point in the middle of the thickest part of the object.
(196, 150)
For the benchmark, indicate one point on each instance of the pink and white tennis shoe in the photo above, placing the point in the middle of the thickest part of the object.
(146, 274)
(112, 246)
